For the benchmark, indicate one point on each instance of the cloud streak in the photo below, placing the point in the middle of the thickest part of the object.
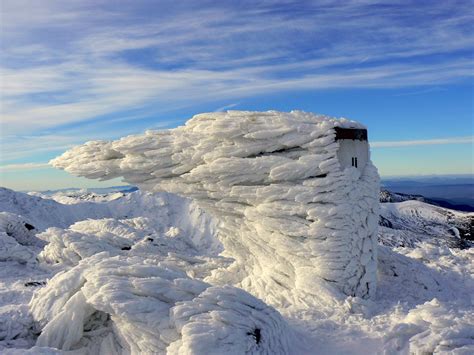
(410, 143)
(77, 62)
(105, 65)
(23, 166)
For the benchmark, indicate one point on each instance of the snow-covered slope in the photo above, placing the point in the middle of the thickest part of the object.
(141, 282)
(410, 222)
(167, 210)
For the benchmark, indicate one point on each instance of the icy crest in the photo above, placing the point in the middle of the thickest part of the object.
(290, 215)
(295, 229)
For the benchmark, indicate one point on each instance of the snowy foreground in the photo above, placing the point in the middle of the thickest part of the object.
(275, 251)
(124, 268)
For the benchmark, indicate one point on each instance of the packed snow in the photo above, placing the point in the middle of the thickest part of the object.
(221, 268)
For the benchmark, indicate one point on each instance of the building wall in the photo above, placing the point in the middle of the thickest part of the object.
(349, 149)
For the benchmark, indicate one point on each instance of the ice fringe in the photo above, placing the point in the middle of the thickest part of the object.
(290, 216)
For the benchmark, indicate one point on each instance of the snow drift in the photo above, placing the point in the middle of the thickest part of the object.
(15, 237)
(290, 215)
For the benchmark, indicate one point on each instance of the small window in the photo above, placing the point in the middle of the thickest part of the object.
(354, 162)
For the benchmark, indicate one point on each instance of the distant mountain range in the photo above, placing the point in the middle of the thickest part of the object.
(455, 192)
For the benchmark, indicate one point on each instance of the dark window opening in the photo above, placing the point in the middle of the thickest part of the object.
(354, 162)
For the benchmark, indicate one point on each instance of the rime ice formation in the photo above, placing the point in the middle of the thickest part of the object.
(15, 235)
(116, 305)
(152, 246)
(290, 215)
(16, 227)
(295, 223)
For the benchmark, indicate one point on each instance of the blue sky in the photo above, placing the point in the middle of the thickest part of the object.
(74, 71)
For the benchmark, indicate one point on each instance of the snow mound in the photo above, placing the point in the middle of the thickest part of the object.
(16, 227)
(434, 328)
(15, 237)
(114, 305)
(44, 211)
(289, 215)
(423, 303)
(136, 236)
(11, 250)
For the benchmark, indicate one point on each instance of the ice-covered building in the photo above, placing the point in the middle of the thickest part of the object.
(353, 147)
(295, 193)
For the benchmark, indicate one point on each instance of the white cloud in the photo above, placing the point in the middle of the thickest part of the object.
(226, 107)
(82, 68)
(409, 143)
(23, 166)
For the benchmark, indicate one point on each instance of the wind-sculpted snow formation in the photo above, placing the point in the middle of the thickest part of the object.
(122, 304)
(290, 216)
(294, 227)
(147, 273)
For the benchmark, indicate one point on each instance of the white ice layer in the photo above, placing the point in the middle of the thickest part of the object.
(293, 227)
(290, 216)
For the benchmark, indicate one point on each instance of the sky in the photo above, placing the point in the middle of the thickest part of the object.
(73, 71)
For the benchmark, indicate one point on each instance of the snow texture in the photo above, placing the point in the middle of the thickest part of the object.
(15, 235)
(409, 223)
(284, 263)
(114, 305)
(289, 215)
(172, 260)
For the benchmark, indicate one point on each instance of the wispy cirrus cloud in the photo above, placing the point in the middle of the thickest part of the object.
(76, 61)
(23, 166)
(409, 143)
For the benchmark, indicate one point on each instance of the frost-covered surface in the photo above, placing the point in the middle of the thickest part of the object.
(423, 302)
(290, 215)
(15, 235)
(133, 304)
(283, 264)
(409, 223)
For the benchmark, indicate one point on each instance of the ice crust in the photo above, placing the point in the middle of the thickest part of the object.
(289, 215)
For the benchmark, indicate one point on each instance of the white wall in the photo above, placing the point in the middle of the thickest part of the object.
(349, 148)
